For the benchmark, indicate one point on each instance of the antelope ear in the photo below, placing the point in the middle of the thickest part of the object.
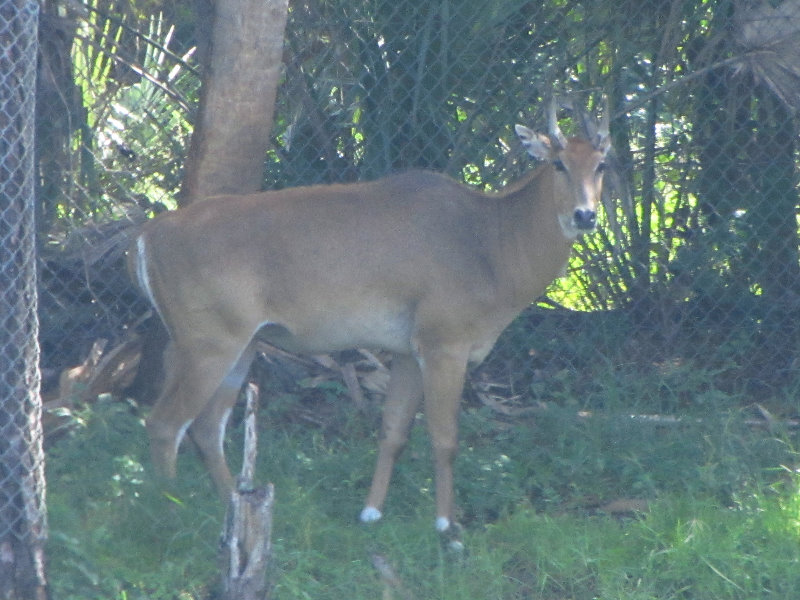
(538, 145)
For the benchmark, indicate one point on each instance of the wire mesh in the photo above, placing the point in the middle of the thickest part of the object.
(23, 527)
(692, 282)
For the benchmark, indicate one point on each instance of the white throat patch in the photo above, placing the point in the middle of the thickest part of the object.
(567, 228)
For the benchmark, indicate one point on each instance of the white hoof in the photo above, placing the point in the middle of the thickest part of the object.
(370, 514)
(456, 546)
(450, 534)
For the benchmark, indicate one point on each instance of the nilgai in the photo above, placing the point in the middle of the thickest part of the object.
(416, 264)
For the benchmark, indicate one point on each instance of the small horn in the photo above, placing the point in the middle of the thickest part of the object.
(587, 123)
(603, 132)
(553, 130)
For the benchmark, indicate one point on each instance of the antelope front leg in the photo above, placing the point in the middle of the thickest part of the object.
(402, 402)
(443, 377)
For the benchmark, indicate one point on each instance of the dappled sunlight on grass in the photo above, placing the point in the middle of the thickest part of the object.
(556, 506)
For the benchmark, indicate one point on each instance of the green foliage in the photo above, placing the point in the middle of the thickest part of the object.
(128, 118)
(114, 534)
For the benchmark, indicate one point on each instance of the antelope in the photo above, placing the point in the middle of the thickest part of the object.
(416, 264)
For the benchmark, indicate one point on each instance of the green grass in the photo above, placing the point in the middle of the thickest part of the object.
(723, 519)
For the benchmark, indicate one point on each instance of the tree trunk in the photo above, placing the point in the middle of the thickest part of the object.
(57, 112)
(234, 123)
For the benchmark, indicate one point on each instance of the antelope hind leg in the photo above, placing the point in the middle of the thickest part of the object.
(166, 426)
(193, 377)
(208, 429)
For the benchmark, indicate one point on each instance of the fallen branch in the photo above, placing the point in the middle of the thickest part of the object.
(369, 374)
(391, 582)
(508, 406)
(105, 371)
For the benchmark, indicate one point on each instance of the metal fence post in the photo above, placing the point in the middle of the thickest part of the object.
(23, 524)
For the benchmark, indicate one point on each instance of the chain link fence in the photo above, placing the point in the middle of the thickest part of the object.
(689, 291)
(23, 526)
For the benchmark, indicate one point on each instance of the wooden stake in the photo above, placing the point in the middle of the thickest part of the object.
(246, 546)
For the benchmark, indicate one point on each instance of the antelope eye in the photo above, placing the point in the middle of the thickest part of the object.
(559, 165)
(602, 167)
